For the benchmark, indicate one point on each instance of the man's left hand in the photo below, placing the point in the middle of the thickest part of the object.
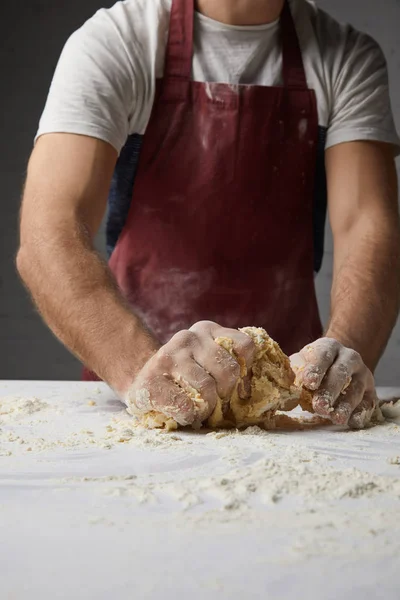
(343, 386)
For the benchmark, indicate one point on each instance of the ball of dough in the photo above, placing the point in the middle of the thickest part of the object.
(272, 388)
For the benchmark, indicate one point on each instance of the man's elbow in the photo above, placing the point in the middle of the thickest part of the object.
(30, 259)
(24, 262)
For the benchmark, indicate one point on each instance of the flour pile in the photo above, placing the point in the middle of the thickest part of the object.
(14, 408)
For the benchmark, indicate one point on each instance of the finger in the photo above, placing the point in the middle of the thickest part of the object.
(319, 357)
(364, 411)
(161, 394)
(298, 365)
(348, 401)
(198, 384)
(243, 346)
(221, 365)
(336, 380)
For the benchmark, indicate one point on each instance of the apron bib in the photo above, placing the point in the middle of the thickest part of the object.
(221, 222)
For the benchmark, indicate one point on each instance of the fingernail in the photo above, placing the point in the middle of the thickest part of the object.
(361, 419)
(341, 414)
(357, 421)
(312, 378)
(184, 416)
(323, 407)
(142, 399)
(312, 384)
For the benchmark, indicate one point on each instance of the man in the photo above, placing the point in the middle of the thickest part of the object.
(233, 106)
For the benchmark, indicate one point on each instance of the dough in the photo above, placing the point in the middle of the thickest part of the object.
(272, 388)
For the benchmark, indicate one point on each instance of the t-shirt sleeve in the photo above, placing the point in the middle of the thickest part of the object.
(95, 90)
(360, 100)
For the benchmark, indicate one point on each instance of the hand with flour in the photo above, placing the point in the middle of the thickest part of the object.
(343, 386)
(190, 366)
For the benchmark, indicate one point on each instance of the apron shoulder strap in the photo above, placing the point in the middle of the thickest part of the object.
(179, 51)
(292, 62)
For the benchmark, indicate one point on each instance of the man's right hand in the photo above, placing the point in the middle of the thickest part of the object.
(191, 360)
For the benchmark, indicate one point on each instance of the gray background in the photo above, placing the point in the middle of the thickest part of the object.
(32, 35)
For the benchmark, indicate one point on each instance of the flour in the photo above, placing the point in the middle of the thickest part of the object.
(16, 408)
(13, 410)
(29, 415)
(253, 470)
(391, 410)
(290, 473)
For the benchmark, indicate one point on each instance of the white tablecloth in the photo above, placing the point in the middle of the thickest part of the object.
(91, 507)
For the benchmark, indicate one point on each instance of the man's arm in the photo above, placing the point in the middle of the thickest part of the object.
(64, 202)
(362, 189)
(362, 192)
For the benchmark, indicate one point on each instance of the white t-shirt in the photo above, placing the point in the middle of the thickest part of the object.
(105, 80)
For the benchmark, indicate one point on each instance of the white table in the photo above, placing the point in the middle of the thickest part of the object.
(90, 510)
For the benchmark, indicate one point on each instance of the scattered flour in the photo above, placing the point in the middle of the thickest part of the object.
(268, 481)
(14, 408)
(256, 469)
(27, 416)
(391, 410)
(257, 479)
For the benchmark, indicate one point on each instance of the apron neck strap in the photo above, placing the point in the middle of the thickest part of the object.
(179, 51)
(292, 62)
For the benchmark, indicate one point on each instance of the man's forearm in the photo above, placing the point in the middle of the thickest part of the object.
(366, 291)
(77, 296)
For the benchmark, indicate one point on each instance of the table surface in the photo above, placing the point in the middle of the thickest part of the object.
(92, 506)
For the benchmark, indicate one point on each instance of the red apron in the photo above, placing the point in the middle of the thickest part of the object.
(221, 221)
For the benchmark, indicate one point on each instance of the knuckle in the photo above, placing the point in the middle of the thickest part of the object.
(332, 343)
(322, 350)
(352, 356)
(202, 326)
(307, 351)
(183, 339)
(163, 359)
(326, 349)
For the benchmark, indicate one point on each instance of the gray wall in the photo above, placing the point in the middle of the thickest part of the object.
(31, 39)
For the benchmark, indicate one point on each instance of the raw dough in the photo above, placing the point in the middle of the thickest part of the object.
(272, 389)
